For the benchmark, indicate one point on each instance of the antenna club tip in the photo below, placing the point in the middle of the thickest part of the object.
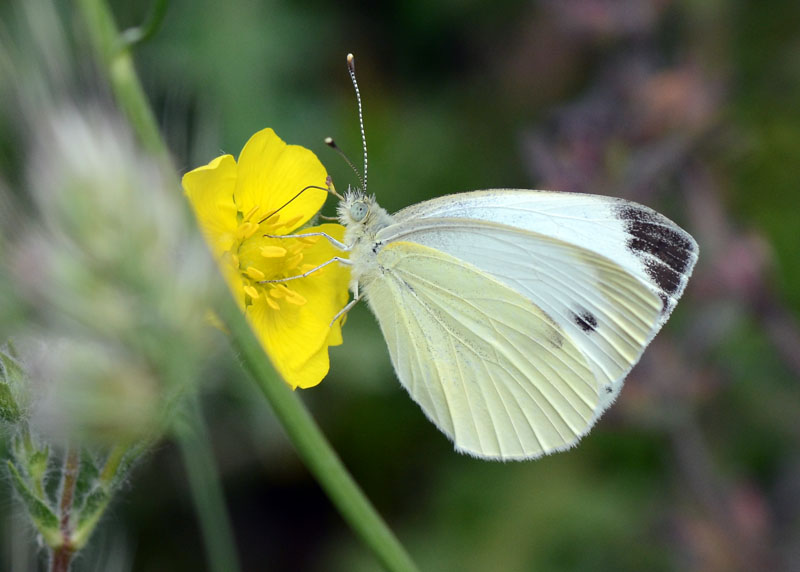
(328, 141)
(350, 58)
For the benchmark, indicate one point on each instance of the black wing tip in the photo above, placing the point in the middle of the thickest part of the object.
(667, 252)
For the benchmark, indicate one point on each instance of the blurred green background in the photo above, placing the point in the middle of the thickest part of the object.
(691, 107)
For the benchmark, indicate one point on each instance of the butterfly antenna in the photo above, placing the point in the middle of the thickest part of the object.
(303, 190)
(351, 67)
(332, 144)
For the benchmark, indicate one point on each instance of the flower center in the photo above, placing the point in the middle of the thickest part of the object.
(258, 258)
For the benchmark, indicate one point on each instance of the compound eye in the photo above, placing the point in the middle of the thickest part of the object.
(358, 211)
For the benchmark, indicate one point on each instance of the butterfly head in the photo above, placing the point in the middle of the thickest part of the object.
(360, 211)
(355, 208)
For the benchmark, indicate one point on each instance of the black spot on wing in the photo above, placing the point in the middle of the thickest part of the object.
(653, 234)
(585, 320)
(670, 249)
(556, 339)
(667, 279)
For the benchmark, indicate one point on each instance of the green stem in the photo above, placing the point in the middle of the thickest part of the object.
(116, 59)
(142, 33)
(312, 446)
(209, 501)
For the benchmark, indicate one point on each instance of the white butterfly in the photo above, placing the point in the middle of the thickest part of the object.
(512, 316)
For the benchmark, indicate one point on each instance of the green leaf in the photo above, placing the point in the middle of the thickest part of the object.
(31, 458)
(12, 381)
(37, 462)
(126, 465)
(100, 487)
(9, 410)
(42, 516)
(95, 502)
(89, 514)
(87, 477)
(11, 368)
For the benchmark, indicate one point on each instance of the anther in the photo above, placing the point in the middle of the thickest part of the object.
(273, 251)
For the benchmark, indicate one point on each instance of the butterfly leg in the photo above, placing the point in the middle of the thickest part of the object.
(346, 309)
(340, 245)
(344, 261)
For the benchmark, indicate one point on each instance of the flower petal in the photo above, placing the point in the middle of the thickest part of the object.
(210, 192)
(330, 283)
(271, 173)
(230, 271)
(297, 337)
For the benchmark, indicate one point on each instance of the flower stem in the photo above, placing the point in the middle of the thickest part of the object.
(62, 555)
(115, 57)
(149, 29)
(207, 493)
(61, 560)
(313, 448)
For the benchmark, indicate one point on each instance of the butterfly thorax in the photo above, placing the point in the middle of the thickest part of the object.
(363, 218)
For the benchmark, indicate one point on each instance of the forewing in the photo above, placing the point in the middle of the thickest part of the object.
(602, 308)
(487, 366)
(636, 238)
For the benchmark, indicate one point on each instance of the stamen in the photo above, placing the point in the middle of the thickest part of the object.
(295, 248)
(272, 219)
(272, 303)
(255, 273)
(247, 229)
(251, 291)
(290, 224)
(294, 298)
(276, 293)
(273, 251)
(250, 214)
(294, 260)
(309, 239)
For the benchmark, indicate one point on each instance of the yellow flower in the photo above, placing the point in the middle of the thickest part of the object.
(236, 205)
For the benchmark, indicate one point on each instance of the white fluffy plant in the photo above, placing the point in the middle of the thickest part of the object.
(110, 282)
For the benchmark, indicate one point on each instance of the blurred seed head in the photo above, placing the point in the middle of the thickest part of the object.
(92, 390)
(115, 279)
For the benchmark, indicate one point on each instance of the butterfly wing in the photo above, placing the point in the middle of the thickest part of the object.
(641, 241)
(489, 368)
(609, 314)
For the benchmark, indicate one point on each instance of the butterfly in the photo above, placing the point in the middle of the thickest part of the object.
(512, 317)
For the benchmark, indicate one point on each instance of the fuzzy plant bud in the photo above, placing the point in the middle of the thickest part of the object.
(116, 278)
